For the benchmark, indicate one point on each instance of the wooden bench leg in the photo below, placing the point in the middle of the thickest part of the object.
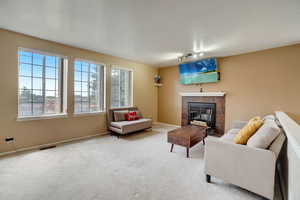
(187, 152)
(172, 147)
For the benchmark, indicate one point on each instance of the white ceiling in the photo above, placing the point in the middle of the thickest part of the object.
(157, 31)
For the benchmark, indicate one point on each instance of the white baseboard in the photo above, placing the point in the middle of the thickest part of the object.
(166, 124)
(51, 144)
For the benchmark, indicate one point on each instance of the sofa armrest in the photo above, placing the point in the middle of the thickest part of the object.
(247, 167)
(237, 124)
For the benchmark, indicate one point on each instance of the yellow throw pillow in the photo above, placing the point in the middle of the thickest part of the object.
(254, 119)
(247, 131)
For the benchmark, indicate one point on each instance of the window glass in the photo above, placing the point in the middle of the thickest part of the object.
(121, 87)
(40, 78)
(88, 87)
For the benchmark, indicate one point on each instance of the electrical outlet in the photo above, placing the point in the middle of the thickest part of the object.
(9, 140)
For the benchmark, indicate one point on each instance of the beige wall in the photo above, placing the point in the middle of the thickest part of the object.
(30, 133)
(256, 84)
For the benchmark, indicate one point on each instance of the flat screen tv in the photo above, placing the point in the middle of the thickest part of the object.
(201, 71)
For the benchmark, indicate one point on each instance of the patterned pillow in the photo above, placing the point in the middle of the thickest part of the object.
(119, 115)
(130, 116)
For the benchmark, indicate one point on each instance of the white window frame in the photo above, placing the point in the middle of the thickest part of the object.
(64, 93)
(78, 114)
(131, 92)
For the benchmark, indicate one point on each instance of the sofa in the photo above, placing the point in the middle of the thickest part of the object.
(242, 165)
(119, 125)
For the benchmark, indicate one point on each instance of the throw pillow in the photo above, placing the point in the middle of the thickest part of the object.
(264, 136)
(130, 116)
(120, 115)
(248, 130)
(254, 119)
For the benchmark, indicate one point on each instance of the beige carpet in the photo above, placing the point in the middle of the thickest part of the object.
(139, 166)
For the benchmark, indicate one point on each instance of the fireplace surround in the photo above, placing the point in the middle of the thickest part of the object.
(214, 102)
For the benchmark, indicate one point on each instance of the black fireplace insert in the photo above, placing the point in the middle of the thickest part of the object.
(202, 111)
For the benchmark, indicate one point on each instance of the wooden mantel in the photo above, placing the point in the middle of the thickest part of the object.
(202, 94)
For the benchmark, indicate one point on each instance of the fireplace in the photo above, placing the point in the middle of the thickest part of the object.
(202, 111)
(207, 107)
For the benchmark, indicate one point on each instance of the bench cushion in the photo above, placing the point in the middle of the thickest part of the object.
(131, 126)
(129, 123)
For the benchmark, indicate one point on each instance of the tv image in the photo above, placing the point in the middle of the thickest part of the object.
(201, 71)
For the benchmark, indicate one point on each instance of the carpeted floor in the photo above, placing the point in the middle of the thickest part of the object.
(138, 166)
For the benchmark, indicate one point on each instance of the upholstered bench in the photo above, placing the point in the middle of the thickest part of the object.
(118, 124)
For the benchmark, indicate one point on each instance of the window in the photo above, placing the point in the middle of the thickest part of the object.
(121, 90)
(88, 87)
(41, 84)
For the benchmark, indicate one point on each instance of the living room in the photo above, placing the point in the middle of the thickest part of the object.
(95, 96)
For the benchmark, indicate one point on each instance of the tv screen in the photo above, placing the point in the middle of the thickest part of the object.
(201, 71)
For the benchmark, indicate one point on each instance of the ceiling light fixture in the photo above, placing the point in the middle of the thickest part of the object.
(189, 55)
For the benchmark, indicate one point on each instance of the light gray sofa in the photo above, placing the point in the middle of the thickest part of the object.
(125, 127)
(248, 167)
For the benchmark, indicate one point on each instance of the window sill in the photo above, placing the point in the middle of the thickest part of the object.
(42, 117)
(89, 114)
(122, 107)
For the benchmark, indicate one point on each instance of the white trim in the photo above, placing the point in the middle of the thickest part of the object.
(41, 117)
(205, 94)
(82, 114)
(166, 124)
(104, 87)
(65, 86)
(123, 107)
(54, 143)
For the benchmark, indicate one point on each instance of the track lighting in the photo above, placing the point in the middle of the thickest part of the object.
(189, 55)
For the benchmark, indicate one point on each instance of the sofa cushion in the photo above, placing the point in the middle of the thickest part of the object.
(121, 124)
(265, 135)
(119, 115)
(229, 136)
(247, 131)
